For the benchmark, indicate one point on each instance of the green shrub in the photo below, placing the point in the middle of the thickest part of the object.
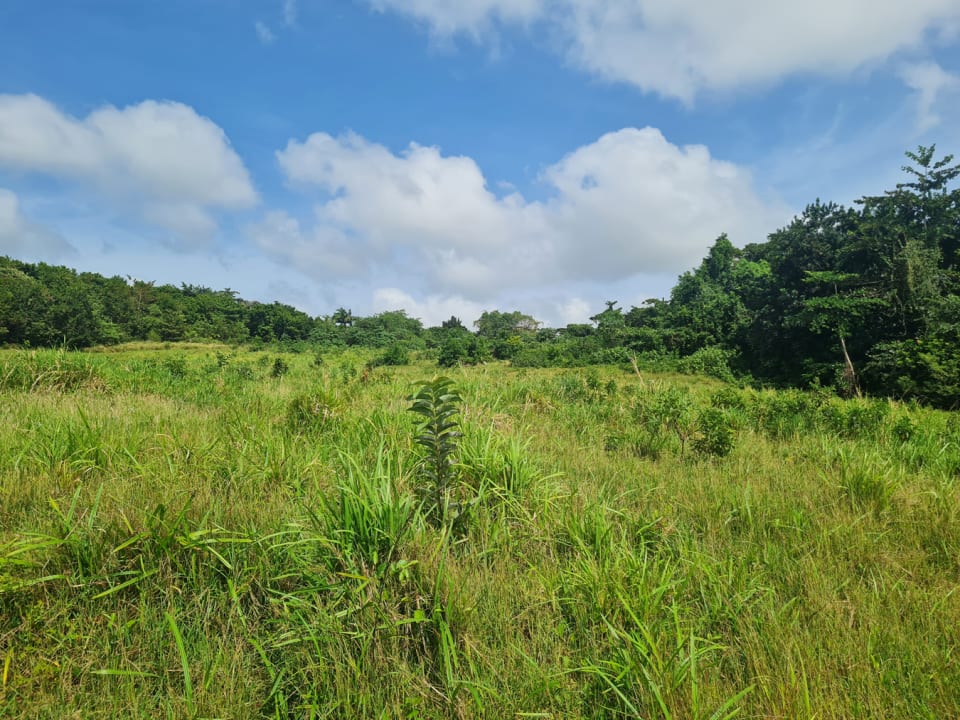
(728, 398)
(903, 428)
(657, 415)
(394, 355)
(865, 418)
(785, 413)
(279, 368)
(176, 366)
(715, 436)
(710, 361)
(243, 372)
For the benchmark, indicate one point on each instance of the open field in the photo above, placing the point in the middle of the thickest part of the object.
(204, 532)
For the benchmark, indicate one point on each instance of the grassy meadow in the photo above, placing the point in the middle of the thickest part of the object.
(205, 532)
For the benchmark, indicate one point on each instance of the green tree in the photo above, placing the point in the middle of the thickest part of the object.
(343, 317)
(493, 324)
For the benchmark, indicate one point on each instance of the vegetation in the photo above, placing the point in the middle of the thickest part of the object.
(189, 532)
(862, 299)
(221, 508)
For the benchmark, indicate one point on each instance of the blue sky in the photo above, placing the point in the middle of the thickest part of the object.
(450, 156)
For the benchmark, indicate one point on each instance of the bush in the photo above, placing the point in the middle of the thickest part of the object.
(658, 413)
(463, 348)
(710, 361)
(453, 352)
(784, 413)
(728, 398)
(715, 435)
(394, 355)
(533, 356)
(280, 368)
(243, 372)
(903, 429)
(176, 366)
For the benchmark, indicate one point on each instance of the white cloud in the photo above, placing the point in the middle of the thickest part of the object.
(265, 35)
(446, 17)
(290, 12)
(430, 214)
(26, 240)
(683, 47)
(930, 82)
(630, 203)
(161, 159)
(187, 222)
(321, 252)
(575, 310)
(431, 311)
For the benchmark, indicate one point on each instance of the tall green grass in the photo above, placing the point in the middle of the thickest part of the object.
(186, 533)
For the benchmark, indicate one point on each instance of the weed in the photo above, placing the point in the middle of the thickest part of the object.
(225, 544)
(368, 519)
(279, 368)
(437, 402)
(312, 412)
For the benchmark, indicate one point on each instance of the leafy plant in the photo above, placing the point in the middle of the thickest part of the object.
(715, 433)
(659, 412)
(710, 361)
(395, 354)
(176, 366)
(437, 402)
(280, 368)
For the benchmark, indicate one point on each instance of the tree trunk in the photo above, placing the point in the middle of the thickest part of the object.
(849, 374)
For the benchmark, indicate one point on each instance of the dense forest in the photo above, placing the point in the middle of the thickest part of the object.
(861, 299)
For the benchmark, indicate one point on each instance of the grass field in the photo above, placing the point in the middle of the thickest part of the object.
(205, 532)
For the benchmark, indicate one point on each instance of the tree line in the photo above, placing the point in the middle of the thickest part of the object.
(862, 299)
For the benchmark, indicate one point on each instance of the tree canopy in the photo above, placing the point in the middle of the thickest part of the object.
(863, 298)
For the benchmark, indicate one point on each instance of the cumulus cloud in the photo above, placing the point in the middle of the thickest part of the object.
(683, 47)
(633, 202)
(930, 82)
(162, 159)
(320, 251)
(23, 239)
(420, 211)
(431, 310)
(630, 203)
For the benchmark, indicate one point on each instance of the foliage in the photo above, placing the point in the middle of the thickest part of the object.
(200, 544)
(460, 347)
(715, 433)
(279, 368)
(857, 299)
(709, 361)
(368, 519)
(437, 402)
(394, 355)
